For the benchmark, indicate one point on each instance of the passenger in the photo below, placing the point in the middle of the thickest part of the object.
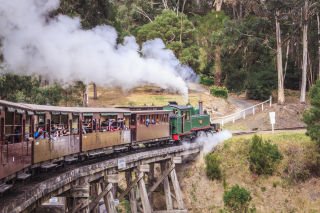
(65, 132)
(147, 122)
(38, 133)
(152, 121)
(110, 125)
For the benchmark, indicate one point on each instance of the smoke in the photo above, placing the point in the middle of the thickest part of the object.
(60, 50)
(210, 141)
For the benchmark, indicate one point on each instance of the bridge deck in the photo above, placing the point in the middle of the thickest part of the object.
(46, 185)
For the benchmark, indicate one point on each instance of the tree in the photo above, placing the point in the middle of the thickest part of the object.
(318, 25)
(210, 35)
(281, 97)
(217, 52)
(305, 52)
(312, 116)
(177, 32)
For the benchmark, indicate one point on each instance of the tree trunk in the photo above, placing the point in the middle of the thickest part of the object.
(218, 5)
(281, 97)
(95, 94)
(217, 66)
(318, 20)
(217, 53)
(305, 53)
(85, 97)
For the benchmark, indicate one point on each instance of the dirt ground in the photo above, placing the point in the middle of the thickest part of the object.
(287, 116)
(269, 193)
(154, 96)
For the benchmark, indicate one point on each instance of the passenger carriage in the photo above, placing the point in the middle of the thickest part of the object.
(149, 126)
(16, 123)
(43, 137)
(104, 128)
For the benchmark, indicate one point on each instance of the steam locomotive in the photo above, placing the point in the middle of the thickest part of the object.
(38, 137)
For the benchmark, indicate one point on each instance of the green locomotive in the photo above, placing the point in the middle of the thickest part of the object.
(186, 121)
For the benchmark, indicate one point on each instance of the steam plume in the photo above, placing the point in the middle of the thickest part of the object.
(59, 49)
(210, 141)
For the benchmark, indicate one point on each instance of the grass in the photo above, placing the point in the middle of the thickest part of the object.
(276, 193)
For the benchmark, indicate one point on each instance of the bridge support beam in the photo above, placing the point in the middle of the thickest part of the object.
(142, 188)
(78, 197)
(132, 192)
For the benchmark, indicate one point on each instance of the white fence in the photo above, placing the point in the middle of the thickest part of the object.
(243, 113)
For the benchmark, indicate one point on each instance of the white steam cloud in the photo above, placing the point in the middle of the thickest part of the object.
(210, 141)
(59, 49)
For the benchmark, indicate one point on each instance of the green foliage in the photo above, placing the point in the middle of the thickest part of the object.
(237, 199)
(263, 156)
(177, 32)
(221, 92)
(260, 84)
(206, 80)
(312, 116)
(28, 89)
(91, 12)
(213, 169)
(248, 62)
(210, 34)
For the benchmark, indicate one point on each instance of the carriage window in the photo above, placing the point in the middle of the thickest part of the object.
(126, 121)
(88, 124)
(111, 123)
(59, 125)
(13, 127)
(1, 130)
(153, 119)
(142, 119)
(166, 118)
(27, 128)
(188, 116)
(75, 124)
(40, 127)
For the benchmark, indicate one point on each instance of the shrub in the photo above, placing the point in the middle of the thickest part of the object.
(237, 199)
(220, 92)
(263, 156)
(206, 80)
(312, 116)
(213, 167)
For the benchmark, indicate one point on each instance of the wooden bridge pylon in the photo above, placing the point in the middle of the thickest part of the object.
(85, 196)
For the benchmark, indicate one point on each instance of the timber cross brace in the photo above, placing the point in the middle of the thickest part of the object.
(139, 180)
(85, 196)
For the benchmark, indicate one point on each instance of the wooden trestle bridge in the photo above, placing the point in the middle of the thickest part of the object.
(84, 187)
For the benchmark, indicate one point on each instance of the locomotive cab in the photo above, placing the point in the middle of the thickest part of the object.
(186, 121)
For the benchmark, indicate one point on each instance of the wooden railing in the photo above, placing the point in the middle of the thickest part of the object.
(243, 113)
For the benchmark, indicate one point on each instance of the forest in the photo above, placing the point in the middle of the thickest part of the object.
(247, 46)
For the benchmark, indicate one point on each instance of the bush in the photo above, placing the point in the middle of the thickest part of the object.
(312, 116)
(237, 199)
(263, 156)
(220, 92)
(206, 80)
(213, 167)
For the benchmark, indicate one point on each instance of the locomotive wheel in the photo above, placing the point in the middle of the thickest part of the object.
(201, 134)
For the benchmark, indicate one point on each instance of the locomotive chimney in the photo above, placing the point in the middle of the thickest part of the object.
(200, 107)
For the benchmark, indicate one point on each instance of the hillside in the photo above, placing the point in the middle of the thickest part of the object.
(278, 193)
(288, 115)
(154, 96)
